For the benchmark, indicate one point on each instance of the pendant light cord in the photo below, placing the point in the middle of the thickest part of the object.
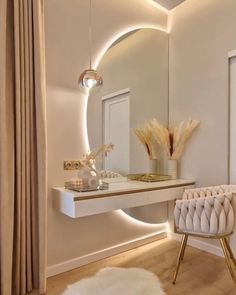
(90, 34)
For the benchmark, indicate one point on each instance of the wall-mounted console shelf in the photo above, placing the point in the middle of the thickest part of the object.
(121, 194)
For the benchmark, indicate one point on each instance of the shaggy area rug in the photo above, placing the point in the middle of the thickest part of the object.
(118, 281)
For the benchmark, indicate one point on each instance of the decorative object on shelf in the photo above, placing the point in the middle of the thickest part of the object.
(109, 174)
(88, 177)
(173, 140)
(152, 165)
(89, 159)
(172, 168)
(90, 79)
(145, 135)
(87, 172)
(148, 177)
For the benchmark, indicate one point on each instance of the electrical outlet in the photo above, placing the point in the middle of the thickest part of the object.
(71, 165)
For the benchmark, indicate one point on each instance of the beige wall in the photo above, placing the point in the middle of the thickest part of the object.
(202, 34)
(66, 57)
(140, 63)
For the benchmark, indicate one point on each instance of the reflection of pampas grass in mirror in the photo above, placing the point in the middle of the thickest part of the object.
(172, 140)
(161, 135)
(145, 135)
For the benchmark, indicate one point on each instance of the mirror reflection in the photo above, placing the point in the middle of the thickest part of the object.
(135, 75)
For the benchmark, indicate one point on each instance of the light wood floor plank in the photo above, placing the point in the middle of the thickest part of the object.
(200, 273)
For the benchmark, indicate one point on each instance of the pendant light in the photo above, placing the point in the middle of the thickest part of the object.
(90, 80)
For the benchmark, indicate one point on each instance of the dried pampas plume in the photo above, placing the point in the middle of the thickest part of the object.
(161, 135)
(180, 136)
(145, 135)
(172, 140)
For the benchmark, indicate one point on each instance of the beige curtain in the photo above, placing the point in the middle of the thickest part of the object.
(22, 148)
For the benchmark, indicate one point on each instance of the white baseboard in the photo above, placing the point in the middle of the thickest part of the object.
(198, 244)
(95, 256)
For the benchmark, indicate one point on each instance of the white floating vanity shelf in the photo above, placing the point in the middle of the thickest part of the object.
(121, 194)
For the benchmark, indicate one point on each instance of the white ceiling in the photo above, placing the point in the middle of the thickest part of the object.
(169, 4)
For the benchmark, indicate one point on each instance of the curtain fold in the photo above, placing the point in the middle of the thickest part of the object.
(22, 148)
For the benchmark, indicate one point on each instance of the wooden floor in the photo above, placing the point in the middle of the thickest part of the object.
(201, 273)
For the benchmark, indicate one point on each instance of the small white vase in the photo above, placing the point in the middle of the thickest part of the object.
(172, 169)
(152, 165)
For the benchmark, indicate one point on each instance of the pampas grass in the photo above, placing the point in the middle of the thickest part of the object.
(172, 140)
(180, 136)
(145, 135)
(161, 135)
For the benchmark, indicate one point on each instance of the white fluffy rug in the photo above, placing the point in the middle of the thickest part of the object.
(118, 281)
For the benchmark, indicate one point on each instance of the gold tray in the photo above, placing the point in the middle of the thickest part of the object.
(148, 177)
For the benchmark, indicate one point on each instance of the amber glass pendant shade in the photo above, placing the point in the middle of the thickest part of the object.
(90, 80)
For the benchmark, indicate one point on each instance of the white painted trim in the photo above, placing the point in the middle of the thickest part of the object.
(196, 243)
(117, 93)
(95, 256)
(232, 53)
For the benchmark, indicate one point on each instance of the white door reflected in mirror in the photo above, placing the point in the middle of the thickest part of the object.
(117, 131)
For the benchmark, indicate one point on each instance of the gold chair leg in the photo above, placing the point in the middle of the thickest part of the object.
(184, 247)
(227, 258)
(180, 256)
(230, 251)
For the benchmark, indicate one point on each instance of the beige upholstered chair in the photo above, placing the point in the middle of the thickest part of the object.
(207, 213)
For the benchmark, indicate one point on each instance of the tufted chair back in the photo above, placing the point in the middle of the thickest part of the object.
(212, 215)
(208, 191)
